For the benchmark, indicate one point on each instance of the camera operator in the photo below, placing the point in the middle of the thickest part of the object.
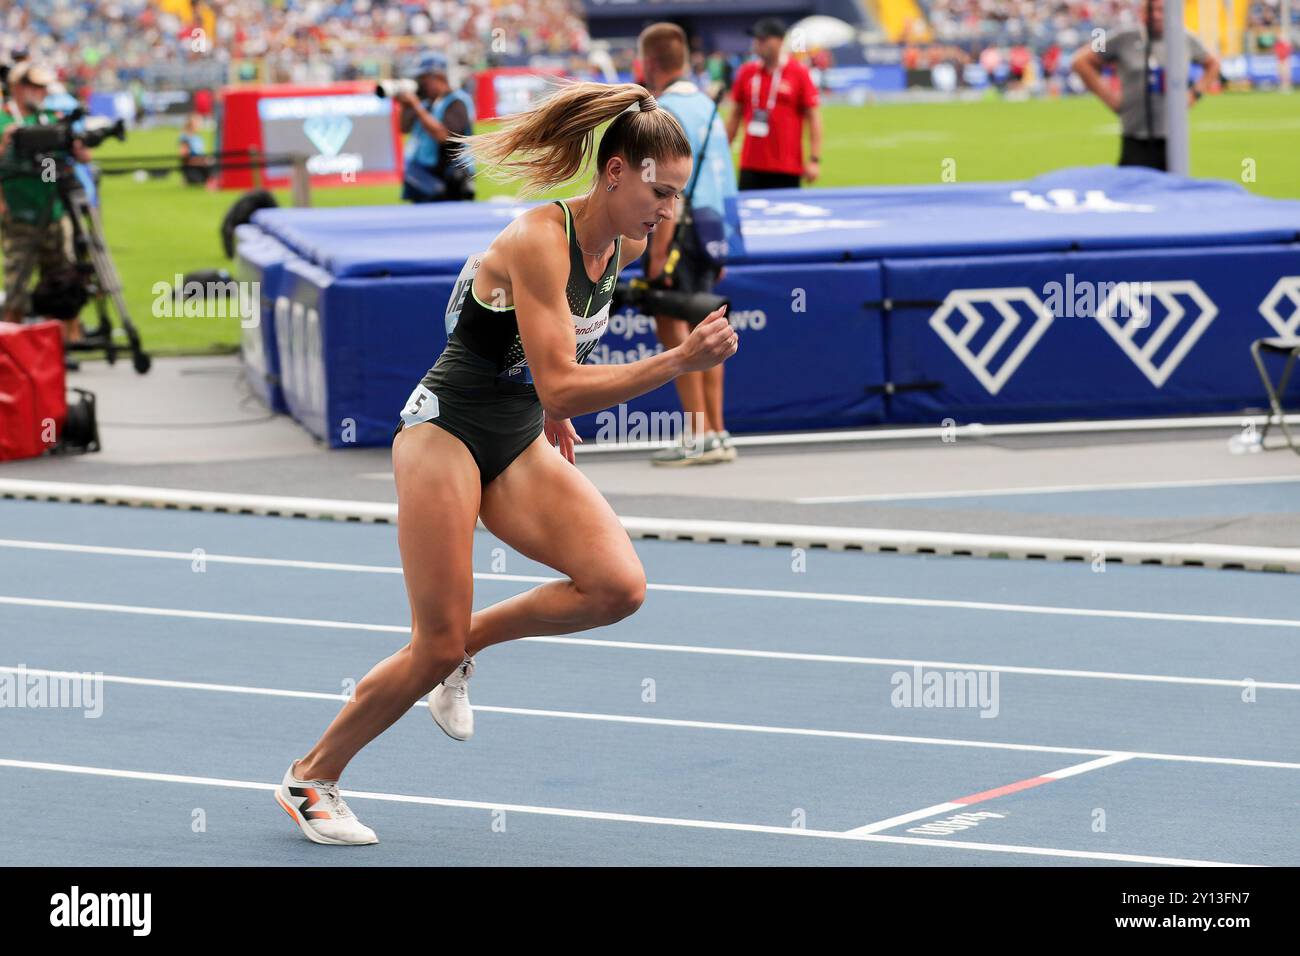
(433, 167)
(663, 53)
(32, 220)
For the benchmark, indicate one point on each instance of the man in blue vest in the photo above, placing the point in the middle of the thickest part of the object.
(663, 53)
(434, 169)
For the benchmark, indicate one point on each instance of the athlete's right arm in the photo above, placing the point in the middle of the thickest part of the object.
(538, 266)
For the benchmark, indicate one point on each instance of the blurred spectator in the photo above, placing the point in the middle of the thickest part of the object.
(1034, 23)
(1139, 101)
(33, 229)
(775, 96)
(720, 70)
(435, 169)
(196, 164)
(108, 44)
(697, 266)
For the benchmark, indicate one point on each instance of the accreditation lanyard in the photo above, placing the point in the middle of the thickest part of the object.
(758, 125)
(771, 93)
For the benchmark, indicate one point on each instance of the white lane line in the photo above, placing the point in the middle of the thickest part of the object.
(984, 606)
(608, 816)
(771, 593)
(985, 795)
(1087, 767)
(689, 724)
(1242, 682)
(1046, 490)
(202, 615)
(199, 554)
(903, 818)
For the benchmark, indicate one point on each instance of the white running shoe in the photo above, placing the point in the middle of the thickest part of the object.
(317, 808)
(449, 702)
(680, 455)
(716, 448)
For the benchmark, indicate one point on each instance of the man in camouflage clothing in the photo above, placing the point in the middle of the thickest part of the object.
(31, 214)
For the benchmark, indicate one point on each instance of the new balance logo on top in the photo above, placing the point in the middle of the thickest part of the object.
(1022, 320)
(1157, 351)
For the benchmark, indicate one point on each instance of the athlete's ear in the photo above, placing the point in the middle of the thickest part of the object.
(615, 167)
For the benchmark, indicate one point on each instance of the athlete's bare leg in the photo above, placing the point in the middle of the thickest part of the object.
(438, 494)
(712, 389)
(548, 510)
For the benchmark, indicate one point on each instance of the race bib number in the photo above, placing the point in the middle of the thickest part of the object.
(420, 407)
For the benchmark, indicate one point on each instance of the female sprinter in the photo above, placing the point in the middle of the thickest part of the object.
(498, 401)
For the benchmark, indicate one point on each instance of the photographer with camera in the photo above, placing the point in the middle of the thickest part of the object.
(686, 253)
(31, 212)
(435, 169)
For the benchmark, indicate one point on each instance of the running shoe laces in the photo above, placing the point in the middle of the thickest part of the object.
(338, 806)
(457, 681)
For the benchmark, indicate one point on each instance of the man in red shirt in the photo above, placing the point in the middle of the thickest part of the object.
(774, 96)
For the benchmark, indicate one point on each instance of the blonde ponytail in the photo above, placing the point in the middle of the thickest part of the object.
(551, 143)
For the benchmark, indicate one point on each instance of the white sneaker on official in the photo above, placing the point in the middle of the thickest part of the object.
(714, 449)
(320, 812)
(680, 455)
(449, 703)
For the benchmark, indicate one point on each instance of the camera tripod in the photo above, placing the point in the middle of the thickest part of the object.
(95, 268)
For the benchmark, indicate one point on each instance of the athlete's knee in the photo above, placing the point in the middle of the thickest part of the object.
(432, 660)
(618, 595)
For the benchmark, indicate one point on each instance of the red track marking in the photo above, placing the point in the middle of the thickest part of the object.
(1003, 791)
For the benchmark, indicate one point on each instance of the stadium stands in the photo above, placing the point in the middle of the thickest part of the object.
(112, 43)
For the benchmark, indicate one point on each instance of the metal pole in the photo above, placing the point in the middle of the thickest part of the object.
(1284, 10)
(1175, 33)
(301, 182)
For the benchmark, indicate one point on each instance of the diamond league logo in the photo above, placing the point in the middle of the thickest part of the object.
(328, 133)
(1288, 286)
(965, 302)
(1143, 355)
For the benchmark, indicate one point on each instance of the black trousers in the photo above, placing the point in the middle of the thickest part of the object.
(1143, 152)
(755, 179)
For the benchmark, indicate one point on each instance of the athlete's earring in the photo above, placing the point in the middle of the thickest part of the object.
(610, 187)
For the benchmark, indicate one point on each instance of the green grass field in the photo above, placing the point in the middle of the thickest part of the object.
(160, 227)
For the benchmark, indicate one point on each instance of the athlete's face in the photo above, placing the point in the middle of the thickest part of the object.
(647, 196)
